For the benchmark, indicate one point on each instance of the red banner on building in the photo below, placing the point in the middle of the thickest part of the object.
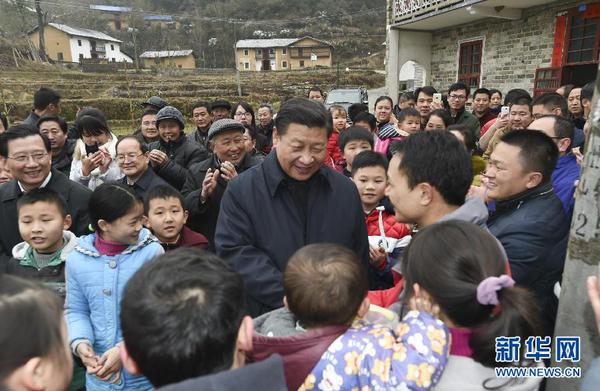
(560, 31)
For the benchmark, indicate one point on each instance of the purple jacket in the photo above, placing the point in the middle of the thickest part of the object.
(369, 356)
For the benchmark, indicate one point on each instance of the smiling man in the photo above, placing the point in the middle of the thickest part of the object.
(287, 202)
(27, 154)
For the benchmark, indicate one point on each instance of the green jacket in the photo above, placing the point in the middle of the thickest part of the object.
(470, 121)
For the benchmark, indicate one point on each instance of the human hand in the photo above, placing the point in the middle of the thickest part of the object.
(479, 191)
(88, 357)
(158, 157)
(437, 105)
(228, 171)
(502, 121)
(209, 184)
(90, 163)
(110, 363)
(578, 155)
(593, 287)
(378, 255)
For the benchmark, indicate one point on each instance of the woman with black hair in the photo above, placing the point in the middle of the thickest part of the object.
(460, 268)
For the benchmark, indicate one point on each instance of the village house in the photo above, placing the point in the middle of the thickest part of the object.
(183, 59)
(163, 21)
(538, 45)
(73, 44)
(117, 18)
(282, 54)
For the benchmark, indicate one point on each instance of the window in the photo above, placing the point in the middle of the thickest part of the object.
(284, 51)
(79, 42)
(582, 43)
(259, 52)
(301, 63)
(271, 51)
(80, 56)
(284, 64)
(246, 65)
(112, 47)
(59, 56)
(300, 54)
(469, 63)
(245, 52)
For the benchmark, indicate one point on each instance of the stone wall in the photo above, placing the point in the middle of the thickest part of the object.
(512, 50)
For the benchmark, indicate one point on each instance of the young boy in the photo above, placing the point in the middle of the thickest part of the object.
(43, 224)
(387, 237)
(352, 142)
(367, 121)
(339, 120)
(409, 122)
(165, 216)
(322, 341)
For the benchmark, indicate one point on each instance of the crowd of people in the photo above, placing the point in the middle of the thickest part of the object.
(305, 248)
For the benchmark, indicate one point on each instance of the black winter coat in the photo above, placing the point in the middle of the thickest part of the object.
(260, 226)
(76, 196)
(62, 160)
(534, 232)
(203, 217)
(182, 155)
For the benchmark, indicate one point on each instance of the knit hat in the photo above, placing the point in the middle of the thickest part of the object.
(224, 125)
(170, 112)
(220, 103)
(155, 101)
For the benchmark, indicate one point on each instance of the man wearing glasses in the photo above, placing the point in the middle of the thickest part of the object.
(28, 156)
(133, 159)
(457, 98)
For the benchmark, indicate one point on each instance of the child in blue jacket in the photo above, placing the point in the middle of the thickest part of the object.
(97, 271)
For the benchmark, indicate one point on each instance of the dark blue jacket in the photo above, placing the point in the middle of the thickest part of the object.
(145, 183)
(563, 180)
(260, 226)
(262, 376)
(533, 229)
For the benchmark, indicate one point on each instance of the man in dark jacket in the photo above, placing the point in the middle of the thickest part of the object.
(285, 203)
(186, 289)
(202, 119)
(206, 182)
(27, 154)
(458, 93)
(46, 101)
(528, 219)
(134, 161)
(173, 155)
(56, 129)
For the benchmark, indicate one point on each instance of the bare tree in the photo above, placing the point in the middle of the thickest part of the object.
(41, 26)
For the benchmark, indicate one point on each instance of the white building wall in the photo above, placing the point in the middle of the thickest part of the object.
(115, 53)
(85, 48)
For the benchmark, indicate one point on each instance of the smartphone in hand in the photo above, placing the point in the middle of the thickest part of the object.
(91, 149)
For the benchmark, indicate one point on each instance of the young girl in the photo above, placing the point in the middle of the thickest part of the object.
(97, 270)
(460, 268)
(34, 353)
(339, 122)
(94, 157)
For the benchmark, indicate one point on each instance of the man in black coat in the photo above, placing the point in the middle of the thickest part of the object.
(528, 219)
(27, 154)
(56, 129)
(285, 203)
(206, 181)
(172, 155)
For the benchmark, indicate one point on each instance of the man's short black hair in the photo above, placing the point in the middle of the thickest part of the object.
(440, 159)
(143, 145)
(368, 118)
(44, 97)
(551, 101)
(163, 192)
(315, 88)
(587, 91)
(515, 94)
(149, 112)
(523, 101)
(563, 128)
(482, 91)
(302, 111)
(406, 95)
(355, 109)
(20, 131)
(538, 153)
(54, 118)
(202, 103)
(180, 316)
(459, 86)
(354, 133)
(427, 90)
(43, 194)
(369, 159)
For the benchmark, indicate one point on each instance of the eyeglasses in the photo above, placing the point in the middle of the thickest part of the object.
(247, 114)
(457, 97)
(36, 156)
(130, 156)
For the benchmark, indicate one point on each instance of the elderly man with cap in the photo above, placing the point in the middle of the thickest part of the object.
(172, 155)
(206, 181)
(220, 109)
(154, 103)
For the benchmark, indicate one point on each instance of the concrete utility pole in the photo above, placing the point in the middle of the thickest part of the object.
(41, 25)
(575, 315)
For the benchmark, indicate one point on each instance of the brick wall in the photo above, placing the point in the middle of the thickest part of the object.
(512, 50)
